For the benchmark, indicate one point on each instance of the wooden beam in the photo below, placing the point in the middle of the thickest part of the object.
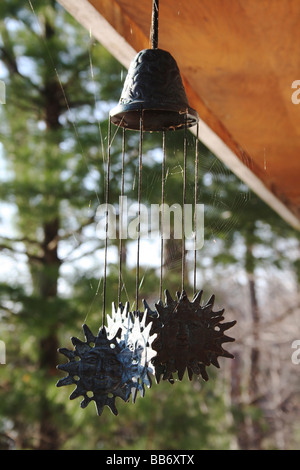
(122, 37)
(87, 15)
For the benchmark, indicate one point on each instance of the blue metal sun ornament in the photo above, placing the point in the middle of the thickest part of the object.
(95, 368)
(115, 363)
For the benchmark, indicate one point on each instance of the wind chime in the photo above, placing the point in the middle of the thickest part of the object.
(179, 334)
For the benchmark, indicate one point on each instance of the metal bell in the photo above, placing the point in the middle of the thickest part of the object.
(153, 94)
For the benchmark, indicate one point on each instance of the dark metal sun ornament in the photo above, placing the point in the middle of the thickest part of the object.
(96, 369)
(115, 363)
(189, 336)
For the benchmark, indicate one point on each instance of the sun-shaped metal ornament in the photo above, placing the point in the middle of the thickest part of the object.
(96, 369)
(115, 363)
(189, 336)
(136, 340)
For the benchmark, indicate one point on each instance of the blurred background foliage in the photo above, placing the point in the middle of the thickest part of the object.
(60, 86)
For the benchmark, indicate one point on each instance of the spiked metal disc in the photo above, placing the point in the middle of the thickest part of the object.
(115, 363)
(136, 342)
(96, 370)
(189, 336)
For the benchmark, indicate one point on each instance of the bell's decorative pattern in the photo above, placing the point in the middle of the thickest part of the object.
(154, 90)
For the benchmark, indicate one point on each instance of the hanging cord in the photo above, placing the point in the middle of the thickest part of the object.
(106, 221)
(195, 209)
(121, 218)
(154, 24)
(184, 202)
(139, 212)
(162, 214)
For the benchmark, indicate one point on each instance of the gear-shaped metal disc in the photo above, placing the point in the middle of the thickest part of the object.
(96, 369)
(189, 336)
(136, 343)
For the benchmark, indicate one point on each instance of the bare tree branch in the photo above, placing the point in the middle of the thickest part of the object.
(18, 252)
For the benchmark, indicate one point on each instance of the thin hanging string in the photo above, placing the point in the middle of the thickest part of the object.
(96, 98)
(106, 221)
(139, 212)
(121, 218)
(154, 24)
(162, 215)
(183, 203)
(195, 209)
